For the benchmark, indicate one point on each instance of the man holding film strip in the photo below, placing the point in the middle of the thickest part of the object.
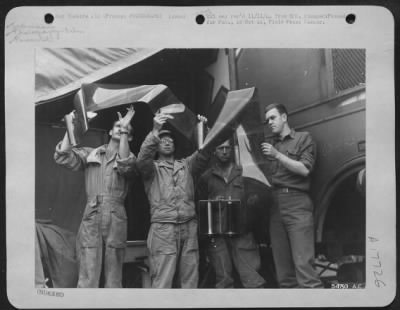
(101, 239)
(224, 180)
(291, 223)
(169, 185)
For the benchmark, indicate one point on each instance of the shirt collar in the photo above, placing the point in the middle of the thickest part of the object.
(291, 135)
(94, 156)
(175, 165)
(101, 149)
(236, 170)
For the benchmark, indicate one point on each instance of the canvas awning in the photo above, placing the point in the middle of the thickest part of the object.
(61, 71)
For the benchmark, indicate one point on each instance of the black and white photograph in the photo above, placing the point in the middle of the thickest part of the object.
(274, 199)
(199, 167)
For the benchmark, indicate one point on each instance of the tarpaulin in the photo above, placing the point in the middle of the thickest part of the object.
(58, 255)
(59, 71)
(60, 193)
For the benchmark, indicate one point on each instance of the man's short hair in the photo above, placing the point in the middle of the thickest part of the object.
(279, 106)
(229, 139)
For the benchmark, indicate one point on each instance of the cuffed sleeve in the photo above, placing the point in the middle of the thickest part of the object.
(308, 152)
(73, 159)
(126, 165)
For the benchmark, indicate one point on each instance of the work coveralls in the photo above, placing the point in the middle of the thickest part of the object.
(104, 222)
(241, 250)
(292, 223)
(172, 239)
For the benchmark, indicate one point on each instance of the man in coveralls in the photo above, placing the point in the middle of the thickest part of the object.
(104, 222)
(169, 185)
(224, 181)
(292, 154)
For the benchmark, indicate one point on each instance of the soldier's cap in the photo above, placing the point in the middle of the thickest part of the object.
(168, 133)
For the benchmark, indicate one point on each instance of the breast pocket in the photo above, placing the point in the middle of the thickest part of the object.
(116, 183)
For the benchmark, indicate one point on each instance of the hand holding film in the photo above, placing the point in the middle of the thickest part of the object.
(69, 123)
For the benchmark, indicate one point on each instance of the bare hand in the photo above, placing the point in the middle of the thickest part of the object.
(160, 119)
(269, 150)
(202, 118)
(126, 120)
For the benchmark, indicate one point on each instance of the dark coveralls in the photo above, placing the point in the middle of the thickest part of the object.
(292, 224)
(242, 249)
(172, 239)
(104, 221)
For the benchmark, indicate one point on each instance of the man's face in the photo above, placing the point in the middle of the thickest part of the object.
(275, 120)
(115, 132)
(166, 146)
(223, 152)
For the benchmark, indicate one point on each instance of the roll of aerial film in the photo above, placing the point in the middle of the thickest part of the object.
(200, 134)
(69, 123)
(80, 113)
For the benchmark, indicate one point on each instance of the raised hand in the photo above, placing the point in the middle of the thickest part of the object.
(126, 120)
(159, 120)
(269, 150)
(202, 118)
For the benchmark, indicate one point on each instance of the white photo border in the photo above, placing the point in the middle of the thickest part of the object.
(373, 31)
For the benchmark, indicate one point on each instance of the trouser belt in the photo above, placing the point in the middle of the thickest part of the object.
(105, 198)
(286, 190)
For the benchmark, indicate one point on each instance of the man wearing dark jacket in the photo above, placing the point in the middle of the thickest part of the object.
(224, 181)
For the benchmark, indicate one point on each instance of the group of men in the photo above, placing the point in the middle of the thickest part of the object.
(171, 186)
